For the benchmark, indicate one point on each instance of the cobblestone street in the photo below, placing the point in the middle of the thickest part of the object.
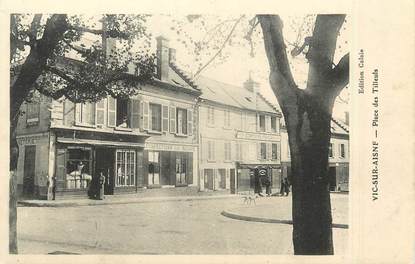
(169, 227)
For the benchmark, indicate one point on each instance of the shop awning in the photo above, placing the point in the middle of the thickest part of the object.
(98, 142)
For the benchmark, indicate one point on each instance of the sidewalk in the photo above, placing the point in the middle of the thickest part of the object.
(278, 210)
(146, 196)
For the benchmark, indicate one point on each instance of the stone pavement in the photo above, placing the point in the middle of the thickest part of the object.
(276, 209)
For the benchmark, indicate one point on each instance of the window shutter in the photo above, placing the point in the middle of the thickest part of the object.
(189, 122)
(172, 119)
(134, 113)
(165, 118)
(112, 109)
(278, 151)
(100, 112)
(146, 114)
(213, 150)
(78, 113)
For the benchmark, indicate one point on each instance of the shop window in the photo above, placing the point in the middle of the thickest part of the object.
(274, 151)
(153, 167)
(78, 168)
(85, 113)
(181, 121)
(181, 169)
(32, 114)
(263, 151)
(273, 124)
(331, 150)
(262, 123)
(155, 114)
(126, 162)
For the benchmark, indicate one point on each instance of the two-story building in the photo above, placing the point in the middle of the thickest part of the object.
(338, 155)
(239, 136)
(146, 141)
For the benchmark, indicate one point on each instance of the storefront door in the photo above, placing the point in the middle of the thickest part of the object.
(105, 159)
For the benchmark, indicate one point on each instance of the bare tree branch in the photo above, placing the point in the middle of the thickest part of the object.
(275, 47)
(220, 49)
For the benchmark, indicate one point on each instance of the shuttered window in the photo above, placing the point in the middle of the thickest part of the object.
(135, 113)
(211, 150)
(85, 113)
(181, 121)
(112, 109)
(32, 113)
(274, 150)
(227, 151)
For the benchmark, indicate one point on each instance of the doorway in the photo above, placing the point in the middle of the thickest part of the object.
(104, 161)
(232, 181)
(29, 171)
(332, 178)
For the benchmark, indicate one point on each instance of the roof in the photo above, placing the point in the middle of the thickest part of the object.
(178, 77)
(232, 95)
(339, 127)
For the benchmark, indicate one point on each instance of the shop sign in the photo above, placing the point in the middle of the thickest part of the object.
(30, 140)
(167, 147)
(257, 136)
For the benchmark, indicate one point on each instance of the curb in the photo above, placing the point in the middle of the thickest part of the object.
(269, 220)
(107, 202)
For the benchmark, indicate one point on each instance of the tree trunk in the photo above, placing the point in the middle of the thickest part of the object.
(14, 155)
(307, 115)
(311, 211)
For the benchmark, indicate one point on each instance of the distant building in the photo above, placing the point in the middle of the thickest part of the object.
(239, 135)
(338, 155)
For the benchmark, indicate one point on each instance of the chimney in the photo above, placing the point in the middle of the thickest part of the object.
(163, 58)
(346, 118)
(172, 55)
(252, 86)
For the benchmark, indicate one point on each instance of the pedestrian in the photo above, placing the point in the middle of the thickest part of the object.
(101, 188)
(286, 186)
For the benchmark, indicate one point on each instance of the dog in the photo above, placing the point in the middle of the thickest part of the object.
(248, 199)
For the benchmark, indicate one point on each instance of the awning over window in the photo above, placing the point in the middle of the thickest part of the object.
(98, 142)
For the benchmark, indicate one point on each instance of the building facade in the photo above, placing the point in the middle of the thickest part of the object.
(338, 155)
(146, 141)
(239, 137)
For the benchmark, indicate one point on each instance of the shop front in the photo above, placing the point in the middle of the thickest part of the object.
(168, 165)
(80, 156)
(250, 176)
